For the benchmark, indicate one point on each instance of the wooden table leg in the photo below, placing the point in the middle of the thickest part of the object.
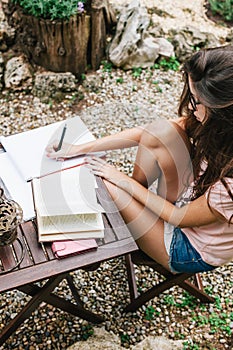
(29, 308)
(73, 289)
(131, 277)
(65, 305)
(40, 294)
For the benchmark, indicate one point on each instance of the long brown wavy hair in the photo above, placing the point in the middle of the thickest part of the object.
(211, 72)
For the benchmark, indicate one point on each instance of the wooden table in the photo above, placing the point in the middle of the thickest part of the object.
(40, 264)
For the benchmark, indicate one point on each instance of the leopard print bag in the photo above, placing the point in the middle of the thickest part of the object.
(11, 216)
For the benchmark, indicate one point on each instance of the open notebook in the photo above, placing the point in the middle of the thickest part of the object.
(25, 158)
(27, 149)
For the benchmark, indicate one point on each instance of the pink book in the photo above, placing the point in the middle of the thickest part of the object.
(63, 249)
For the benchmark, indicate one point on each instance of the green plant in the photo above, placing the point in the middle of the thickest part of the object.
(87, 331)
(220, 322)
(150, 311)
(124, 338)
(189, 345)
(136, 72)
(171, 63)
(187, 300)
(215, 321)
(83, 77)
(218, 303)
(120, 80)
(158, 88)
(222, 7)
(169, 299)
(107, 66)
(52, 9)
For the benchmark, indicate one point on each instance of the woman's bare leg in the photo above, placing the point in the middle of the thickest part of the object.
(146, 228)
(163, 154)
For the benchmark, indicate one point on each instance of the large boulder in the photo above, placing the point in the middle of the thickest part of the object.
(190, 38)
(183, 24)
(132, 45)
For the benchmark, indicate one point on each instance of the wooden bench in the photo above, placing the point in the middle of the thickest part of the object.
(182, 280)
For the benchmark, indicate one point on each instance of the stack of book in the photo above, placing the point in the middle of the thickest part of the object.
(66, 206)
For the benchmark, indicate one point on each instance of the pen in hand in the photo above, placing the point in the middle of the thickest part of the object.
(61, 139)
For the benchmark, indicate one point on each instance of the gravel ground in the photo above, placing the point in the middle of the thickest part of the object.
(109, 101)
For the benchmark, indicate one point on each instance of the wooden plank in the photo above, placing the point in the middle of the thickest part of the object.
(109, 235)
(49, 252)
(27, 260)
(114, 217)
(45, 270)
(30, 234)
(7, 257)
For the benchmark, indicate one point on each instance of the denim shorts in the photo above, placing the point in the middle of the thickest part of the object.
(184, 257)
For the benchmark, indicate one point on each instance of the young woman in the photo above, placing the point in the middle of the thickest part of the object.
(188, 225)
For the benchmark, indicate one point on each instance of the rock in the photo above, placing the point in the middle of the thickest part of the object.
(1, 71)
(166, 49)
(132, 45)
(158, 343)
(229, 37)
(190, 38)
(48, 84)
(17, 73)
(7, 33)
(178, 14)
(92, 83)
(99, 341)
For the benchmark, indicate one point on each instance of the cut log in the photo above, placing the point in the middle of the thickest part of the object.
(65, 46)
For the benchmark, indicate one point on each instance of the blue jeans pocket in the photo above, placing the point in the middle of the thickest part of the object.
(184, 257)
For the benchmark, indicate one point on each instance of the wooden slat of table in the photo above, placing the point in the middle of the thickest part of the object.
(54, 267)
(109, 206)
(31, 237)
(27, 260)
(109, 235)
(7, 257)
(48, 249)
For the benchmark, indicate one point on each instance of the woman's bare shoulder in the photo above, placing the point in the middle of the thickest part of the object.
(180, 122)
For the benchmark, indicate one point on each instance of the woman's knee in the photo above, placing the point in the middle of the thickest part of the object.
(167, 140)
(158, 134)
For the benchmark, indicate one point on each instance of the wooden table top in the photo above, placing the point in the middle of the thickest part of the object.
(39, 261)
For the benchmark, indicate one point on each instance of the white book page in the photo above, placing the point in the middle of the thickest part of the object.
(27, 149)
(61, 236)
(19, 189)
(68, 192)
(70, 223)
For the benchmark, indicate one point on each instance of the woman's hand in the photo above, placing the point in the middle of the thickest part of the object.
(101, 168)
(67, 151)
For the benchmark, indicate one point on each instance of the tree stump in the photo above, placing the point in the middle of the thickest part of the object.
(64, 46)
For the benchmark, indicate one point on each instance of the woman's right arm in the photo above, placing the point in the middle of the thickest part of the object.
(124, 139)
